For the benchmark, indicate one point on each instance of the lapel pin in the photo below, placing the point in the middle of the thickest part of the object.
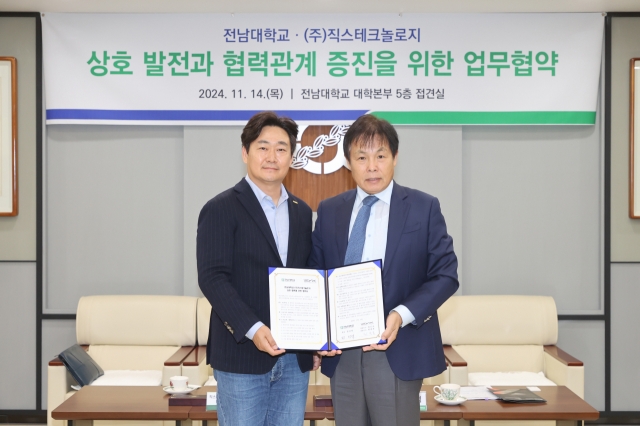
(294, 201)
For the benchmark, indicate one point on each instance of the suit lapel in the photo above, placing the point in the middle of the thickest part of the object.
(343, 217)
(293, 228)
(249, 201)
(398, 211)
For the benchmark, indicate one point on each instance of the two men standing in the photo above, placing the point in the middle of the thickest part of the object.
(243, 231)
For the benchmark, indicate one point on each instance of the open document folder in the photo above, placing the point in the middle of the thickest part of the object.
(324, 310)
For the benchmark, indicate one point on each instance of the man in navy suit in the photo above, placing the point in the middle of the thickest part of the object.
(241, 233)
(379, 384)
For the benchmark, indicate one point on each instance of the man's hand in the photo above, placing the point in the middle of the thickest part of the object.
(264, 342)
(330, 353)
(317, 360)
(394, 321)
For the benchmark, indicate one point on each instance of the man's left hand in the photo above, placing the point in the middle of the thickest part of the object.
(394, 321)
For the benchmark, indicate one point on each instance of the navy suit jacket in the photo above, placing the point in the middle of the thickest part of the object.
(419, 271)
(235, 248)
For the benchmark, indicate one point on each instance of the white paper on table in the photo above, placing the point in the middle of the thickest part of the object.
(476, 392)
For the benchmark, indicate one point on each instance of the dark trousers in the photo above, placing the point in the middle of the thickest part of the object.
(367, 393)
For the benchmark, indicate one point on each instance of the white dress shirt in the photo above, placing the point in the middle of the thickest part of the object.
(375, 243)
(278, 218)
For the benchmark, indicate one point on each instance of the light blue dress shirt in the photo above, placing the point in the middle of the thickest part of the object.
(278, 218)
(375, 243)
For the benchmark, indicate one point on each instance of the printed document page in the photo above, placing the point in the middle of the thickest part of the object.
(298, 308)
(356, 306)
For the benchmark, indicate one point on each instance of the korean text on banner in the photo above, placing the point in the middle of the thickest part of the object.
(209, 69)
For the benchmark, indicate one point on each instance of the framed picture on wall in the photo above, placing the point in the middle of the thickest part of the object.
(8, 133)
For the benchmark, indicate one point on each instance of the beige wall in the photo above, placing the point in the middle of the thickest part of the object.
(625, 232)
(18, 233)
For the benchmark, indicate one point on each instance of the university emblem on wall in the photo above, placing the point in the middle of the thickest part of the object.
(319, 169)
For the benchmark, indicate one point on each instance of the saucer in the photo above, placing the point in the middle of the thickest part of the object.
(457, 401)
(171, 391)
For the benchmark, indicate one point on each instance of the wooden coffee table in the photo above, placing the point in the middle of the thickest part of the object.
(152, 403)
(562, 404)
(119, 403)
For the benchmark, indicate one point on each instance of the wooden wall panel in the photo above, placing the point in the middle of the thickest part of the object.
(313, 188)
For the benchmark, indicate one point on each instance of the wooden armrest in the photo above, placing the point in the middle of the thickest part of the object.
(56, 362)
(195, 357)
(453, 358)
(178, 357)
(562, 356)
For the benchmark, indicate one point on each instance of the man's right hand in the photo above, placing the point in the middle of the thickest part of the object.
(264, 342)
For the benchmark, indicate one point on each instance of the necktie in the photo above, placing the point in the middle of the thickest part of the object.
(358, 232)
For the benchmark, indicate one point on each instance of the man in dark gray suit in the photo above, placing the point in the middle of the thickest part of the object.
(241, 233)
(405, 228)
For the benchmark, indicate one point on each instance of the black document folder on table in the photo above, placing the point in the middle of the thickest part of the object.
(517, 395)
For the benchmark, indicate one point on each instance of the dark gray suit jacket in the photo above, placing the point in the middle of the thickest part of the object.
(419, 272)
(235, 248)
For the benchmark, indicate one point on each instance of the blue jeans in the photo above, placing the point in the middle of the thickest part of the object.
(276, 398)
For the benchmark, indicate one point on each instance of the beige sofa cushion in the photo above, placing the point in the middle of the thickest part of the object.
(136, 320)
(499, 320)
(118, 357)
(129, 378)
(511, 378)
(204, 316)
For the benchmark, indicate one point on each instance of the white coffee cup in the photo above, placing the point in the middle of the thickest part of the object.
(179, 383)
(448, 391)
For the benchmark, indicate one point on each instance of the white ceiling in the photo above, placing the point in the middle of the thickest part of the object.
(318, 6)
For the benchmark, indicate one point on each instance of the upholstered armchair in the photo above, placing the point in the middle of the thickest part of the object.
(506, 340)
(137, 340)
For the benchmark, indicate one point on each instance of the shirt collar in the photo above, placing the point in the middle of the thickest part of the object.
(260, 194)
(384, 195)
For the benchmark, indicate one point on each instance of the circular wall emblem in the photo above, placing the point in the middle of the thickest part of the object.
(319, 169)
(303, 157)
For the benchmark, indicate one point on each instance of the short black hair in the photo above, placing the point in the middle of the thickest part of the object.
(365, 129)
(254, 127)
